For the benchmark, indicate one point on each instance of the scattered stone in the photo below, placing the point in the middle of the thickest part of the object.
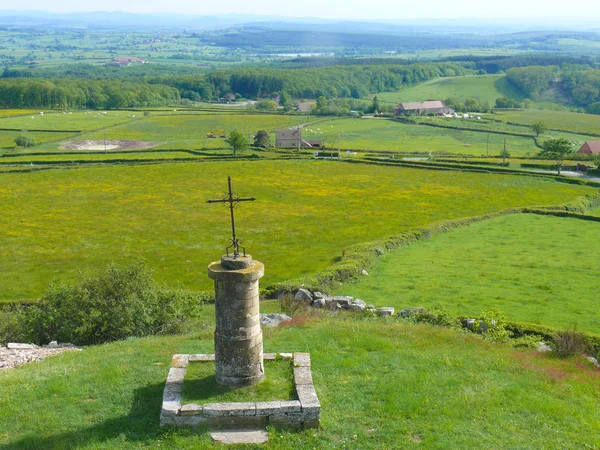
(385, 311)
(342, 300)
(357, 305)
(16, 354)
(240, 436)
(52, 344)
(17, 346)
(303, 295)
(409, 312)
(273, 320)
(318, 295)
(364, 272)
(319, 303)
(593, 360)
(543, 347)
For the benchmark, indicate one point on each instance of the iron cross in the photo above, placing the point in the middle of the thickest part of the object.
(231, 200)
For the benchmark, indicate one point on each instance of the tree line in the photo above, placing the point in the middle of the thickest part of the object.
(79, 93)
(579, 84)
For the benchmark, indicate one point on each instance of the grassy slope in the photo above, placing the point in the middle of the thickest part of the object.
(405, 386)
(537, 269)
(483, 87)
(377, 134)
(56, 222)
(559, 120)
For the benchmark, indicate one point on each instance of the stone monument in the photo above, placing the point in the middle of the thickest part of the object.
(238, 336)
(239, 354)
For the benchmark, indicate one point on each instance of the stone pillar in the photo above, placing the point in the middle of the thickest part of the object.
(238, 336)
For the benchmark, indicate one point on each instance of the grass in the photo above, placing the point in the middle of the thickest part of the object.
(201, 387)
(189, 131)
(381, 134)
(558, 120)
(7, 138)
(56, 222)
(78, 120)
(405, 386)
(483, 87)
(537, 269)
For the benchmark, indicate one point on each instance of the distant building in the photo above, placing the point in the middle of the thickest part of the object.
(304, 107)
(126, 61)
(590, 148)
(292, 137)
(436, 107)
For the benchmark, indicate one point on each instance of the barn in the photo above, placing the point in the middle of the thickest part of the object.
(292, 137)
(436, 107)
(590, 148)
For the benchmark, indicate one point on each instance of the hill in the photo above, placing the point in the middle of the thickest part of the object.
(382, 384)
(483, 87)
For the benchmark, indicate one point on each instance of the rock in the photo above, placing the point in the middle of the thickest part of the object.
(52, 344)
(409, 312)
(240, 436)
(303, 295)
(543, 347)
(273, 320)
(470, 324)
(385, 311)
(319, 303)
(317, 294)
(593, 360)
(17, 346)
(357, 305)
(364, 272)
(342, 300)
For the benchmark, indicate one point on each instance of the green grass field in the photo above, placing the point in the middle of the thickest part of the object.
(382, 134)
(78, 120)
(558, 120)
(483, 87)
(536, 269)
(382, 385)
(7, 138)
(56, 222)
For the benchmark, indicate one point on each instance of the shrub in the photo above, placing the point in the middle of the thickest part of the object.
(493, 326)
(569, 343)
(293, 307)
(122, 301)
(9, 324)
(25, 140)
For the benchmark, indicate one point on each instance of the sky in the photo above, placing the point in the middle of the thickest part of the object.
(331, 9)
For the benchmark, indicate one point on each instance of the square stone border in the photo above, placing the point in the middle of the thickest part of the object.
(304, 412)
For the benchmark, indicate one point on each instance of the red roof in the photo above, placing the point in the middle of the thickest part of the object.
(591, 148)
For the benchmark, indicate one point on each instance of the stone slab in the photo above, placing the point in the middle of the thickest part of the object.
(176, 375)
(240, 436)
(286, 355)
(229, 409)
(302, 359)
(276, 407)
(307, 396)
(269, 356)
(201, 357)
(18, 346)
(179, 361)
(191, 409)
(385, 311)
(302, 375)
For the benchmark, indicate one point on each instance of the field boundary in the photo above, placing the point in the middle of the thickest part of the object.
(359, 257)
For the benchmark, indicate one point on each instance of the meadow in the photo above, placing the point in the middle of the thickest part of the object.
(69, 121)
(482, 87)
(56, 222)
(7, 138)
(382, 385)
(556, 120)
(536, 269)
(382, 134)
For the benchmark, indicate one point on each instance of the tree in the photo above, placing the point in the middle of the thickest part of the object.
(237, 141)
(556, 149)
(321, 103)
(538, 127)
(262, 139)
(25, 140)
(375, 105)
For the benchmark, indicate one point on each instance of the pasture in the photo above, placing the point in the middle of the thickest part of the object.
(56, 222)
(382, 385)
(537, 269)
(556, 120)
(482, 87)
(382, 134)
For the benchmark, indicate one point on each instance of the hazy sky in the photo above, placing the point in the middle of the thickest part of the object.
(344, 9)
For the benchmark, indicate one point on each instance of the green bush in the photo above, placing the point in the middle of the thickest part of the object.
(25, 140)
(569, 343)
(122, 301)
